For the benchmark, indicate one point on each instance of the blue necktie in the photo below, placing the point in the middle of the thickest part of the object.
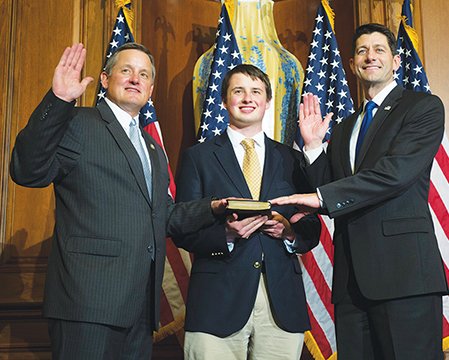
(367, 119)
(134, 136)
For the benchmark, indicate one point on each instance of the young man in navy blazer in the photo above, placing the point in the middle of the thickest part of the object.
(246, 296)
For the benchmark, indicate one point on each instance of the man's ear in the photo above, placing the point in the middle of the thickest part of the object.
(104, 79)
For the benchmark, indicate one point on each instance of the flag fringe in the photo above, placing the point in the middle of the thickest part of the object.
(446, 343)
(312, 346)
(129, 13)
(169, 329)
(329, 12)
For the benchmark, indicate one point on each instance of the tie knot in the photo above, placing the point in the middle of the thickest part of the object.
(248, 143)
(370, 106)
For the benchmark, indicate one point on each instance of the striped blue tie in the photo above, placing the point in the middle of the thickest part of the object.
(134, 136)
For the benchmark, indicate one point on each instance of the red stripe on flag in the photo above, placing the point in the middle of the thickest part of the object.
(179, 270)
(443, 161)
(319, 336)
(445, 327)
(439, 208)
(320, 283)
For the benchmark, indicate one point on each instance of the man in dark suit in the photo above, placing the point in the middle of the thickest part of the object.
(113, 211)
(246, 295)
(388, 272)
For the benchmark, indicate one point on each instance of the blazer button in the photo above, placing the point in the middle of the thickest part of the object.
(150, 249)
(339, 205)
(257, 265)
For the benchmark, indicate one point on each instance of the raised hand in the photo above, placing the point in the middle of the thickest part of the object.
(313, 127)
(67, 84)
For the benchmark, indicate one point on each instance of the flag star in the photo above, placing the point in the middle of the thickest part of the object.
(340, 107)
(232, 66)
(417, 69)
(416, 82)
(210, 100)
(120, 19)
(220, 118)
(217, 74)
(336, 52)
(222, 107)
(427, 87)
(328, 34)
(339, 119)
(312, 56)
(220, 62)
(395, 76)
(227, 37)
(407, 66)
(333, 77)
(214, 87)
(148, 115)
(314, 44)
(401, 50)
(325, 47)
(331, 90)
(335, 64)
(344, 82)
(319, 18)
(201, 139)
(150, 102)
(329, 103)
(408, 53)
(113, 44)
(108, 56)
(216, 131)
(235, 54)
(127, 38)
(317, 31)
(307, 82)
(101, 95)
(405, 80)
(224, 49)
(309, 69)
(217, 34)
(117, 31)
(207, 113)
(322, 74)
(323, 61)
(342, 93)
(319, 87)
(205, 126)
(220, 20)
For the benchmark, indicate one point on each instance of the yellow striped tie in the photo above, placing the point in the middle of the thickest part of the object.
(251, 168)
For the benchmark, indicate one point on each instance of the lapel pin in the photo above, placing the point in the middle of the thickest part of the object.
(387, 107)
(152, 147)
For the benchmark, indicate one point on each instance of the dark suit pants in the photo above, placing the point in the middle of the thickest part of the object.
(72, 340)
(400, 329)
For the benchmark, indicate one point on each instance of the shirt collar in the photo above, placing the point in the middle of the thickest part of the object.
(236, 137)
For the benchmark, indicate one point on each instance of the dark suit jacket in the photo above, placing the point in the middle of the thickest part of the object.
(223, 285)
(381, 213)
(107, 230)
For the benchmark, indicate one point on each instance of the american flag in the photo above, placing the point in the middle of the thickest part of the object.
(214, 118)
(325, 77)
(176, 273)
(411, 75)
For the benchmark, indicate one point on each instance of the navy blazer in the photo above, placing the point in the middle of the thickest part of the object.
(223, 285)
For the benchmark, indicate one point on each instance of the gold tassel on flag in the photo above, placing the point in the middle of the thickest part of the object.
(129, 13)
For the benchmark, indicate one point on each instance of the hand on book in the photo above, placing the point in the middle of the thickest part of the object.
(305, 204)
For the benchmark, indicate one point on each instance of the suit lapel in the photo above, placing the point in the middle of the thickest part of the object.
(226, 158)
(125, 146)
(273, 159)
(383, 111)
(348, 127)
